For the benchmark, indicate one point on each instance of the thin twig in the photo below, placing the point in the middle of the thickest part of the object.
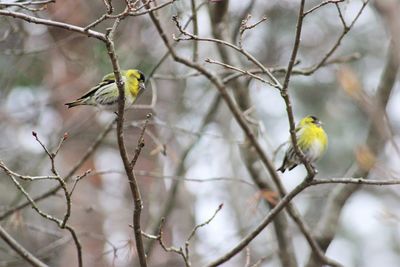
(128, 11)
(61, 223)
(244, 27)
(190, 36)
(159, 238)
(109, 7)
(341, 16)
(182, 251)
(157, 175)
(238, 70)
(245, 12)
(26, 5)
(27, 177)
(63, 185)
(321, 5)
(77, 179)
(140, 142)
(75, 168)
(193, 232)
(346, 29)
(165, 56)
(295, 71)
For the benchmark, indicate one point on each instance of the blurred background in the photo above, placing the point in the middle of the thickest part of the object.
(196, 156)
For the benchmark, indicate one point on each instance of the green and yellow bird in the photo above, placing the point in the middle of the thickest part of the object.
(312, 141)
(105, 93)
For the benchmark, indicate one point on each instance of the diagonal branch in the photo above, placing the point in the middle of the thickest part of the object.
(57, 24)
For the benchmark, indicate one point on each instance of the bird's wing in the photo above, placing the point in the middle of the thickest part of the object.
(93, 90)
(107, 80)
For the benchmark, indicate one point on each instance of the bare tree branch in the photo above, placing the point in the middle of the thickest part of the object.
(57, 24)
(321, 5)
(286, 97)
(74, 169)
(121, 144)
(60, 223)
(183, 251)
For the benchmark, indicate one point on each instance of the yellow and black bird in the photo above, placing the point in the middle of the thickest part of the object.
(311, 140)
(105, 93)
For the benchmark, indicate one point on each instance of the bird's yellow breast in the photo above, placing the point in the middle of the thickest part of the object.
(132, 83)
(311, 134)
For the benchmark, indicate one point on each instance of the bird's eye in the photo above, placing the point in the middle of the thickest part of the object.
(141, 77)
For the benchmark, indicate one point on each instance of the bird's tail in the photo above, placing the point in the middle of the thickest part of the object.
(75, 103)
(281, 169)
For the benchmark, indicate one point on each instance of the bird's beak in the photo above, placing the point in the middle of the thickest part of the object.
(319, 123)
(142, 86)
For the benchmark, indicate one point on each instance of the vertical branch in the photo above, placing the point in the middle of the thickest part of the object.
(138, 205)
(286, 97)
(195, 30)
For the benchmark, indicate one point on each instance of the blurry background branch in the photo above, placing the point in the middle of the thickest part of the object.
(242, 97)
(20, 249)
(173, 192)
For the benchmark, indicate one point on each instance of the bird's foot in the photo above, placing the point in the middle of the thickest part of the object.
(314, 169)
